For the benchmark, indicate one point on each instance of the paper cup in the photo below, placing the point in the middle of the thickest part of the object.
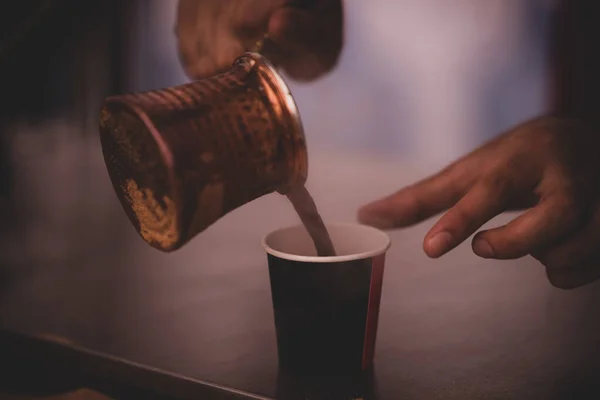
(326, 308)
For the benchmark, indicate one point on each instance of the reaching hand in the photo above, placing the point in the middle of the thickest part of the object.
(304, 36)
(549, 166)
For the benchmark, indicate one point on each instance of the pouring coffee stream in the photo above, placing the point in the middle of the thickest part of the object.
(180, 158)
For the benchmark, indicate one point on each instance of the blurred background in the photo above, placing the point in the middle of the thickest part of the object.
(419, 84)
(422, 81)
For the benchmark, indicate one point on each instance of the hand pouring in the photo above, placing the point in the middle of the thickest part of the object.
(180, 158)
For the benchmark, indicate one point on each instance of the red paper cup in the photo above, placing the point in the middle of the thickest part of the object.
(326, 308)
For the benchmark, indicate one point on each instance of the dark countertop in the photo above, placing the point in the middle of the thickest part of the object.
(454, 328)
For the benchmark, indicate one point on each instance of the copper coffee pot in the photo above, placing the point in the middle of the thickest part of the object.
(180, 158)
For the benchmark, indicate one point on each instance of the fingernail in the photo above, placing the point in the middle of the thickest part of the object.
(483, 249)
(438, 244)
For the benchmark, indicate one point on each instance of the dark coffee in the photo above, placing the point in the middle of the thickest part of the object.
(325, 313)
(320, 313)
(326, 309)
(309, 215)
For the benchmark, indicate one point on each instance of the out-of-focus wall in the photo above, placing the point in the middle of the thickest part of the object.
(423, 81)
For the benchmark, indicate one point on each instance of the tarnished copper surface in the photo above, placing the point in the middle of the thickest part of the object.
(180, 158)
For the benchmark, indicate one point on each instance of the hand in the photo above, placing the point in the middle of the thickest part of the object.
(549, 166)
(304, 36)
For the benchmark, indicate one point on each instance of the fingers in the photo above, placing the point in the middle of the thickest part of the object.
(294, 29)
(486, 200)
(307, 43)
(206, 39)
(552, 219)
(305, 36)
(420, 201)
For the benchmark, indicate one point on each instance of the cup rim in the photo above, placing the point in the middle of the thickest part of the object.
(334, 259)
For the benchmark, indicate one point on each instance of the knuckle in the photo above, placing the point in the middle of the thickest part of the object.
(568, 201)
(460, 172)
(571, 206)
(509, 248)
(566, 205)
(499, 182)
(416, 205)
(507, 245)
(407, 205)
(463, 218)
(543, 135)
